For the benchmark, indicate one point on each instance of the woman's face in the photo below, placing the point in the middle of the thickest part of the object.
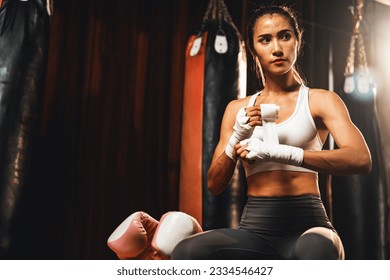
(275, 44)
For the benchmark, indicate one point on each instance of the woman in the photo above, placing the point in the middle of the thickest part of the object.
(284, 217)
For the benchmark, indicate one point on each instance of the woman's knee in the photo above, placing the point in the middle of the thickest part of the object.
(319, 244)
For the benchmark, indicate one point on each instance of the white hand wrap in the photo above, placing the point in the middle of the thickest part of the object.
(258, 150)
(269, 113)
(241, 131)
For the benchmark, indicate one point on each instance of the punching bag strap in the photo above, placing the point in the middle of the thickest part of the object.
(228, 18)
(221, 43)
(209, 14)
(357, 79)
(217, 10)
(49, 7)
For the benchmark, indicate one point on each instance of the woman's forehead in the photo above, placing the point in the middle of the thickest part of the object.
(271, 23)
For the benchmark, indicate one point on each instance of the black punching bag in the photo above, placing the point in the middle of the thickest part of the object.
(360, 201)
(221, 85)
(215, 75)
(24, 30)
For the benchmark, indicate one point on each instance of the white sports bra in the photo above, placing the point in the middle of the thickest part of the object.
(298, 130)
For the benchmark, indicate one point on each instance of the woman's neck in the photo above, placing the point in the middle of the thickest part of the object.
(280, 84)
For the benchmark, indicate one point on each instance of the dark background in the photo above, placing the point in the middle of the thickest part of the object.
(108, 138)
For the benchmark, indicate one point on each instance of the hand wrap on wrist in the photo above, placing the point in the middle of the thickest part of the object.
(258, 150)
(241, 131)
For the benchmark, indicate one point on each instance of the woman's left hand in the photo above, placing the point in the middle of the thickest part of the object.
(254, 149)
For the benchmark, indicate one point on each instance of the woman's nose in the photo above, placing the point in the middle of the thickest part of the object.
(277, 50)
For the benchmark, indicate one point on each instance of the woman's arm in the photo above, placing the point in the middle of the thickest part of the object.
(352, 155)
(222, 166)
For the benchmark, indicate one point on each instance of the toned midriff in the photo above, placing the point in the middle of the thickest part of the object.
(282, 183)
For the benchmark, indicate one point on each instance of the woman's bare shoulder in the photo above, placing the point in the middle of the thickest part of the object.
(319, 92)
(322, 96)
(321, 100)
(233, 107)
(237, 104)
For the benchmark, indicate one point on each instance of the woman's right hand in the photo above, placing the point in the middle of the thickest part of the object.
(246, 120)
(223, 162)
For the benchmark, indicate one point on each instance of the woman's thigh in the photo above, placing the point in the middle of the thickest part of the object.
(223, 244)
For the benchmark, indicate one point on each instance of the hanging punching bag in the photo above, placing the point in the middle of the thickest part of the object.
(215, 75)
(191, 137)
(24, 30)
(360, 201)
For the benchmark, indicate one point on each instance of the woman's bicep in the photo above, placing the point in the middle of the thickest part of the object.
(352, 155)
(335, 116)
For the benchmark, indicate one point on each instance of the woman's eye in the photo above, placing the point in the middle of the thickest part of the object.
(286, 36)
(264, 40)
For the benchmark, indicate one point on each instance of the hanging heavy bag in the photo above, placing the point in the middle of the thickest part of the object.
(360, 201)
(215, 75)
(24, 29)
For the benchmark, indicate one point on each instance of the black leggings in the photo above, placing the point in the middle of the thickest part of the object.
(294, 227)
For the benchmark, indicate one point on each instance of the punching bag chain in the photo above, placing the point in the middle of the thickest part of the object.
(357, 79)
(228, 18)
(217, 9)
(356, 39)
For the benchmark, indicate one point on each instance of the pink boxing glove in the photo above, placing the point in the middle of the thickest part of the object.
(173, 227)
(132, 238)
